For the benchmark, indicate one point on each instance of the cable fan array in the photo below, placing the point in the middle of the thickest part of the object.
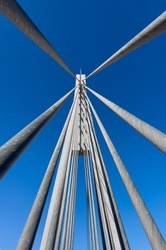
(78, 138)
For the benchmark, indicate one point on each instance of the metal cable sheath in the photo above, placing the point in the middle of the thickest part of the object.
(62, 205)
(30, 228)
(155, 238)
(68, 199)
(89, 176)
(114, 238)
(73, 202)
(14, 12)
(117, 217)
(154, 29)
(89, 202)
(91, 198)
(102, 219)
(100, 202)
(152, 134)
(12, 149)
(111, 206)
(90, 208)
(74, 207)
(66, 215)
(99, 192)
(54, 210)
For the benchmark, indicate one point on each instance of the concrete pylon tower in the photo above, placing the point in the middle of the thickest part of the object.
(82, 137)
(78, 139)
(105, 228)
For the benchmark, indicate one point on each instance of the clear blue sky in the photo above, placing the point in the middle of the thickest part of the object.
(85, 33)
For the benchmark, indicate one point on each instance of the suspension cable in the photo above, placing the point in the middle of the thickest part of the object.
(14, 12)
(155, 238)
(54, 209)
(30, 228)
(154, 29)
(156, 137)
(12, 149)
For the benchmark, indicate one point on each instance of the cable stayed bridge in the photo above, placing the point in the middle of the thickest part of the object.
(78, 138)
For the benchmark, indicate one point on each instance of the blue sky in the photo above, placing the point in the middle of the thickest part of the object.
(85, 33)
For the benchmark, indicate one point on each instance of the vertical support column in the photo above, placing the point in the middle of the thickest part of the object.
(80, 118)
